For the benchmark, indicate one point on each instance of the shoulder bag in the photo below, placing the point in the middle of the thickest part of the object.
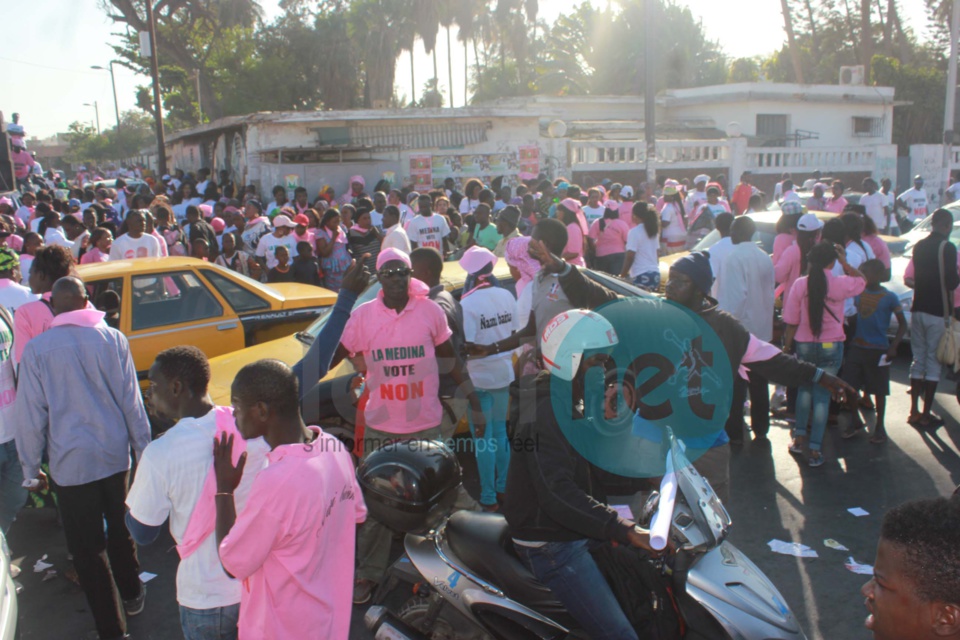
(948, 350)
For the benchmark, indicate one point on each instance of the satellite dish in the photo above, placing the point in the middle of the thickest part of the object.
(557, 129)
(734, 130)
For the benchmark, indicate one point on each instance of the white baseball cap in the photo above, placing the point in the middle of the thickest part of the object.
(283, 221)
(626, 191)
(701, 178)
(809, 222)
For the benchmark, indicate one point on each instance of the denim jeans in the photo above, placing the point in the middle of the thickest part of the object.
(12, 494)
(493, 449)
(210, 624)
(813, 401)
(568, 569)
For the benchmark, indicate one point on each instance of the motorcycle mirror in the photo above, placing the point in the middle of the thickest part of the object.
(649, 508)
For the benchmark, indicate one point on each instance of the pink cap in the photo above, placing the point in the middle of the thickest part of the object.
(301, 218)
(229, 210)
(388, 255)
(218, 225)
(570, 205)
(476, 258)
(6, 201)
(206, 210)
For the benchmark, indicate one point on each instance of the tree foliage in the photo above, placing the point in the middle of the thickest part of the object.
(135, 133)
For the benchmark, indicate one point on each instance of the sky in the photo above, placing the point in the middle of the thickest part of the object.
(48, 80)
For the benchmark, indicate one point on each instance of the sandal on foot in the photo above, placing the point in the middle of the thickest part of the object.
(816, 459)
(850, 432)
(796, 448)
(914, 419)
(881, 439)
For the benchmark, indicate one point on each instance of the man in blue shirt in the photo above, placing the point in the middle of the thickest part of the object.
(79, 401)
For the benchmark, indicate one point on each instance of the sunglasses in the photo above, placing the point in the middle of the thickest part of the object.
(402, 272)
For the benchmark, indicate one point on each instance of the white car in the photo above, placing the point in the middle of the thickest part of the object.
(922, 228)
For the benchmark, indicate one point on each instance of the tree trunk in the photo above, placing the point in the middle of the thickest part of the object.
(476, 61)
(866, 38)
(413, 79)
(466, 72)
(851, 30)
(792, 42)
(449, 68)
(893, 17)
(884, 25)
(814, 33)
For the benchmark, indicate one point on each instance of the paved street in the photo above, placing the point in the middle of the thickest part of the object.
(774, 497)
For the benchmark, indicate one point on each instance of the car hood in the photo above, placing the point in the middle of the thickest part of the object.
(295, 295)
(223, 369)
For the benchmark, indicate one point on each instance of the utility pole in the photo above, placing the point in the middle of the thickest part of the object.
(650, 92)
(450, 69)
(950, 107)
(97, 110)
(113, 82)
(155, 74)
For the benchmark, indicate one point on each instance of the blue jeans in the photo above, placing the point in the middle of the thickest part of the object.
(812, 398)
(568, 569)
(493, 449)
(219, 623)
(12, 494)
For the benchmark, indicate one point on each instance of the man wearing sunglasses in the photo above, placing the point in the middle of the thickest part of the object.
(401, 341)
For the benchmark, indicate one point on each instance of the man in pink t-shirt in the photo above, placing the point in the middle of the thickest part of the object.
(401, 341)
(293, 542)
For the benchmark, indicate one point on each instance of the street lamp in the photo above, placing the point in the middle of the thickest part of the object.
(113, 81)
(97, 109)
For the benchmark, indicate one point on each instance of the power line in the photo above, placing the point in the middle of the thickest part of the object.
(43, 66)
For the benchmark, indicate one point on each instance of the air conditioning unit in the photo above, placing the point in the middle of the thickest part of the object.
(852, 75)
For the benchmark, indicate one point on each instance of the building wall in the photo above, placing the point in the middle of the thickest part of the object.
(832, 121)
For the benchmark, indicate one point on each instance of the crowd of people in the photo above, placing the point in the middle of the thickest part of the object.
(269, 522)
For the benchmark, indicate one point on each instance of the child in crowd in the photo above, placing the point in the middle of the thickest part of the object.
(282, 272)
(200, 249)
(867, 366)
(32, 242)
(100, 240)
(306, 269)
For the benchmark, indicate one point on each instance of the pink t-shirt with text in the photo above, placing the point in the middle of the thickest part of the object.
(613, 238)
(399, 350)
(796, 308)
(575, 244)
(293, 544)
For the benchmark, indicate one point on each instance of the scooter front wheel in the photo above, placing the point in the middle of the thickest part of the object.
(416, 613)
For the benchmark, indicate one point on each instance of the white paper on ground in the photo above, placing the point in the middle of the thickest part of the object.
(40, 566)
(856, 567)
(623, 510)
(660, 527)
(146, 576)
(792, 549)
(857, 511)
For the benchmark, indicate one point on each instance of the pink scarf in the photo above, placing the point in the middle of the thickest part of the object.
(203, 520)
(88, 317)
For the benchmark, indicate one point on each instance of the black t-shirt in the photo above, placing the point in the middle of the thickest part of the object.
(306, 272)
(275, 275)
(928, 291)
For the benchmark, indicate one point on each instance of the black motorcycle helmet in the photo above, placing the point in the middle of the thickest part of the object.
(411, 485)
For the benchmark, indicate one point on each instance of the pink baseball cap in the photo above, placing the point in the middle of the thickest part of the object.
(218, 225)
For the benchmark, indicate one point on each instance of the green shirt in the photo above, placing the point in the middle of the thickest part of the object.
(486, 237)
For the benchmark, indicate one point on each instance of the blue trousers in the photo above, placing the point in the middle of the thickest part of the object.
(573, 577)
(493, 449)
(813, 401)
(12, 494)
(219, 623)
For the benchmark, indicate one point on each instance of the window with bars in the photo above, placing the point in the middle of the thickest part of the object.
(866, 127)
(773, 125)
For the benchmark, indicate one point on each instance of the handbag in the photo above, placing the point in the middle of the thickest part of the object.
(948, 349)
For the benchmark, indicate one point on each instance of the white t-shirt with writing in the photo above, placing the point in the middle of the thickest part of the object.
(168, 484)
(489, 315)
(267, 248)
(644, 248)
(917, 203)
(428, 231)
(593, 213)
(127, 248)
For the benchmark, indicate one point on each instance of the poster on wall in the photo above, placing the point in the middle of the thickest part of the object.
(421, 171)
(292, 181)
(529, 159)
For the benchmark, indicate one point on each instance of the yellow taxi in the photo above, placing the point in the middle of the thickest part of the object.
(166, 302)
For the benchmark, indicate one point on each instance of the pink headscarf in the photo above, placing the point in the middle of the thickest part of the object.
(517, 256)
(574, 205)
(416, 288)
(206, 211)
(363, 183)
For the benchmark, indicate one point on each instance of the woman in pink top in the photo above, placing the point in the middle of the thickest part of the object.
(793, 261)
(569, 212)
(610, 235)
(837, 203)
(49, 265)
(813, 313)
(871, 237)
(100, 240)
(786, 234)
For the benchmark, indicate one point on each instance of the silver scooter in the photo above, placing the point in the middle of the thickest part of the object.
(470, 584)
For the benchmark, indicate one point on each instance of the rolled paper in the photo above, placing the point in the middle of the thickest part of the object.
(663, 518)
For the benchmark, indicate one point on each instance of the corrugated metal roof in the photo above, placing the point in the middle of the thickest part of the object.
(420, 136)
